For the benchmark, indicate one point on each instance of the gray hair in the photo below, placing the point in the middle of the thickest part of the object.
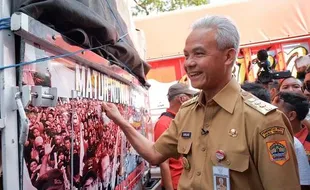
(227, 34)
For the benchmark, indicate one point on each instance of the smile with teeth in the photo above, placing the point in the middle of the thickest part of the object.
(194, 74)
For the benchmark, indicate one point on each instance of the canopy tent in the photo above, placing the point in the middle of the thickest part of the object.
(259, 22)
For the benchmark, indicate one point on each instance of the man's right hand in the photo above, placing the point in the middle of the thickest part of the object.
(139, 142)
(112, 112)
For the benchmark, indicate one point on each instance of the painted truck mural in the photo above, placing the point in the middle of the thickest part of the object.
(75, 141)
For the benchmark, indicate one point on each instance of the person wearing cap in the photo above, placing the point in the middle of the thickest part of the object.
(225, 131)
(171, 169)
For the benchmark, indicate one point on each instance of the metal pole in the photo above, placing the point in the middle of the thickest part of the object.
(9, 134)
(24, 129)
(71, 154)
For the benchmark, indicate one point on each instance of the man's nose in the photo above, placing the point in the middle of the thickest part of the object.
(189, 62)
(291, 89)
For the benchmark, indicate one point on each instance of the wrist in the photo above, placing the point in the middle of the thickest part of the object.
(123, 123)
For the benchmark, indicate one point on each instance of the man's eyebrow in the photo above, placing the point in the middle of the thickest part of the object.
(195, 49)
(198, 49)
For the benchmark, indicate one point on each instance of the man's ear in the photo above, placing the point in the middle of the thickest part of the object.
(292, 115)
(273, 92)
(231, 56)
(183, 99)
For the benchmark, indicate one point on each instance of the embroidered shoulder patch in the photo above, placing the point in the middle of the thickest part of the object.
(278, 152)
(272, 131)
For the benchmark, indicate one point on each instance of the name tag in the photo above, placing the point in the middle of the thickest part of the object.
(221, 179)
(186, 135)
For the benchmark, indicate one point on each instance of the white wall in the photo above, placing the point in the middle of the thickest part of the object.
(138, 38)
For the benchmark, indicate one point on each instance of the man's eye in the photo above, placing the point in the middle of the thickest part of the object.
(199, 53)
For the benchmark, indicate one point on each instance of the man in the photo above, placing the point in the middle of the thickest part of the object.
(105, 171)
(90, 174)
(290, 84)
(257, 90)
(295, 106)
(273, 88)
(221, 185)
(306, 84)
(171, 169)
(52, 179)
(223, 131)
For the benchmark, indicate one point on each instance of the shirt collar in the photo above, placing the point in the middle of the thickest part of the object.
(302, 134)
(169, 110)
(226, 98)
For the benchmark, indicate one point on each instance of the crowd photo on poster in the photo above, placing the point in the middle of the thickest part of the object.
(96, 145)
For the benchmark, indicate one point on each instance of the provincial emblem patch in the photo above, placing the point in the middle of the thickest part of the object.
(278, 152)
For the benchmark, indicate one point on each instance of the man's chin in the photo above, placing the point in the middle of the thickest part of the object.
(197, 86)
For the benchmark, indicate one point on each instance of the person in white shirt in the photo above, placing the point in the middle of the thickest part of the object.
(303, 164)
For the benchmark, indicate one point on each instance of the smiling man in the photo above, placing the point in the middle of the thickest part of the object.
(224, 132)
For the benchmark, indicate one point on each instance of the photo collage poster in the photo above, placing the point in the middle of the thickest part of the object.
(75, 141)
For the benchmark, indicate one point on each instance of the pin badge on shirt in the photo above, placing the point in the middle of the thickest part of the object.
(233, 133)
(186, 134)
(220, 155)
(185, 163)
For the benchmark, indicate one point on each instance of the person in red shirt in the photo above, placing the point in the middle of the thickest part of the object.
(171, 169)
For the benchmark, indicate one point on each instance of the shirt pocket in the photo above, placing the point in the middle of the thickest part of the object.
(237, 162)
(238, 165)
(184, 146)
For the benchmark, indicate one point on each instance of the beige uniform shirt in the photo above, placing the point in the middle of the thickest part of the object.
(255, 138)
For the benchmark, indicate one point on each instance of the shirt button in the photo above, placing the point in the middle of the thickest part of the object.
(198, 173)
(203, 149)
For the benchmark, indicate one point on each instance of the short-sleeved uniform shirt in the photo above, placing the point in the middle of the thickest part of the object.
(255, 138)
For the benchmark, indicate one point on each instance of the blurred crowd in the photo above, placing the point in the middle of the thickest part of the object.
(292, 96)
(79, 126)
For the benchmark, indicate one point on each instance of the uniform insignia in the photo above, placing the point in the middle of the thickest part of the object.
(278, 152)
(259, 105)
(186, 135)
(233, 133)
(272, 131)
